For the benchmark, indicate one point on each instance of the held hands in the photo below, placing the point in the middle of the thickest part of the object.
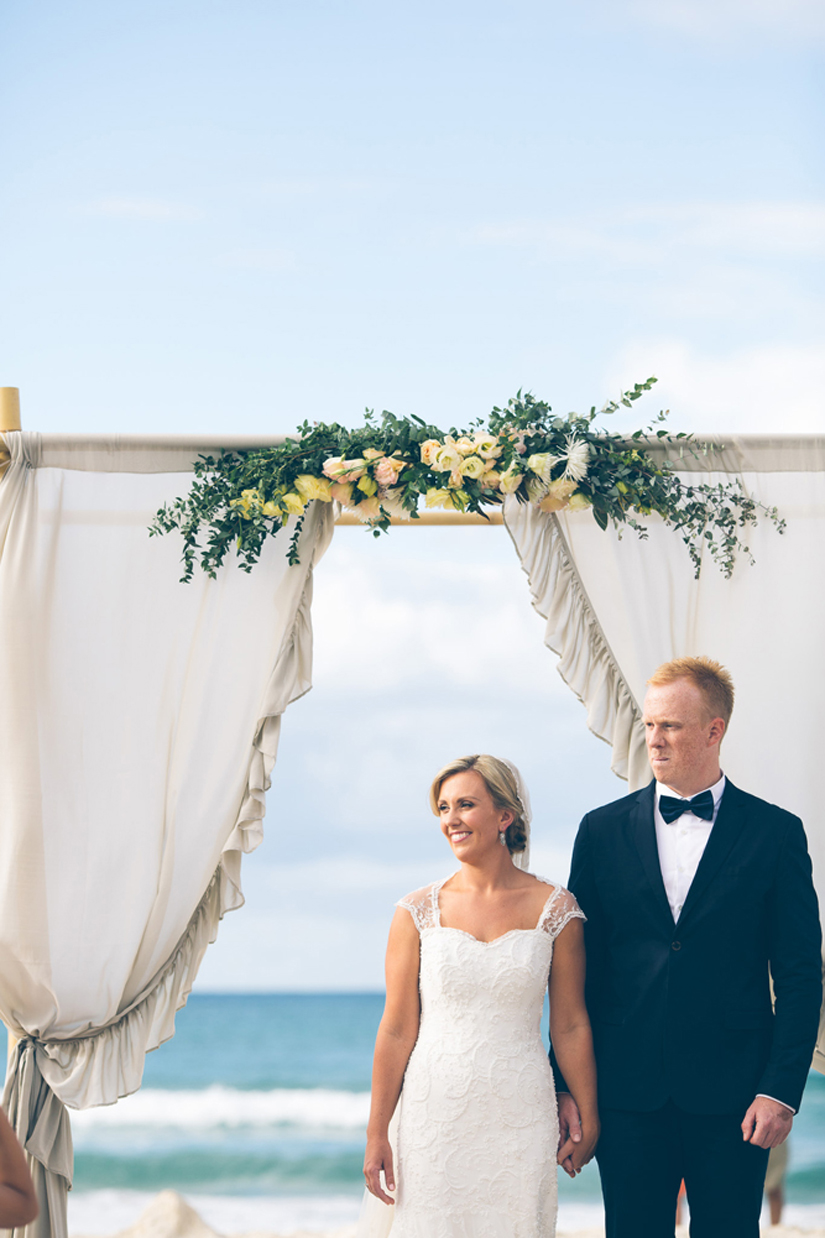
(576, 1146)
(767, 1123)
(378, 1158)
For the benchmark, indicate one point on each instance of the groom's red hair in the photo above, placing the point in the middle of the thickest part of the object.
(711, 678)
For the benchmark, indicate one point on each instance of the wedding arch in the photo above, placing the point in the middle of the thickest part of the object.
(139, 717)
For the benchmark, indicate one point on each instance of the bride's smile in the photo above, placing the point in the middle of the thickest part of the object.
(467, 812)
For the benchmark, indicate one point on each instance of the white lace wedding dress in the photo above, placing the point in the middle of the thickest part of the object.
(476, 1128)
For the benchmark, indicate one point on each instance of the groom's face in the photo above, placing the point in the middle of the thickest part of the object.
(682, 738)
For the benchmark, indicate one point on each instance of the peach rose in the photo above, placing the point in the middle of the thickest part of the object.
(368, 509)
(392, 503)
(387, 470)
(342, 491)
(343, 470)
(558, 495)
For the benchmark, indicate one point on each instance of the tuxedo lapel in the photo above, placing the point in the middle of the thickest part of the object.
(643, 827)
(726, 829)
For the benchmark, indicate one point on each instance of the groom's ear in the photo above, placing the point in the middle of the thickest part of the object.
(716, 730)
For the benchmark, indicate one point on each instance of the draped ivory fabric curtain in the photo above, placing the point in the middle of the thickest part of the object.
(618, 607)
(139, 723)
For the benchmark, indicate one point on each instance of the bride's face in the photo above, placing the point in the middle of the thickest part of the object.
(469, 819)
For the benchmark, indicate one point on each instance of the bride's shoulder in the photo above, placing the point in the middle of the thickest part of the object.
(560, 907)
(422, 904)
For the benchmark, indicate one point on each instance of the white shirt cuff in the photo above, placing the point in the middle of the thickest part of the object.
(779, 1102)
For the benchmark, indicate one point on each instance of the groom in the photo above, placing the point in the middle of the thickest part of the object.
(693, 890)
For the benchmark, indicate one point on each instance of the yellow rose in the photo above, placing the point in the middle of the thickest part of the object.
(242, 505)
(310, 487)
(271, 509)
(487, 446)
(578, 502)
(438, 498)
(542, 464)
(248, 499)
(446, 459)
(293, 503)
(473, 467)
(367, 485)
(510, 479)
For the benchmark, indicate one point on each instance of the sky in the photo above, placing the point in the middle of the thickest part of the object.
(228, 217)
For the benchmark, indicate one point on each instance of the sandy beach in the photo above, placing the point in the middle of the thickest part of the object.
(170, 1216)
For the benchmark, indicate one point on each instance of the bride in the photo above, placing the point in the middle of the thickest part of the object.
(475, 1131)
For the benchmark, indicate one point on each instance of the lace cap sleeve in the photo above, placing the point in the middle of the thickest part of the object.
(422, 906)
(560, 908)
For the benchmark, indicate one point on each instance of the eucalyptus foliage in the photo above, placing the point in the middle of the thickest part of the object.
(391, 465)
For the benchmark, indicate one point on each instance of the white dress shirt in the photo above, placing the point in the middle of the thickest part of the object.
(681, 846)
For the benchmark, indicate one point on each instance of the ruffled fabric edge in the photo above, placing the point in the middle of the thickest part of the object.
(40, 1070)
(573, 632)
(94, 1064)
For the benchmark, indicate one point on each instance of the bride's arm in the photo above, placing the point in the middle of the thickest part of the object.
(397, 1034)
(572, 1041)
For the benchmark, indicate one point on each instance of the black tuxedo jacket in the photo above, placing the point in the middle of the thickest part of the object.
(682, 1010)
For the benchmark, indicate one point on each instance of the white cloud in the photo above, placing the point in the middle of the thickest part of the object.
(443, 623)
(153, 210)
(775, 388)
(649, 235)
(722, 19)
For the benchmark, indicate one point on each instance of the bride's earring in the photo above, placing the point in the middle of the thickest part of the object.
(502, 837)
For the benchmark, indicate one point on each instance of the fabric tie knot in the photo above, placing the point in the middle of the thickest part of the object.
(701, 806)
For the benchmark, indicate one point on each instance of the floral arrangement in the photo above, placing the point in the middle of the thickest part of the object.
(387, 468)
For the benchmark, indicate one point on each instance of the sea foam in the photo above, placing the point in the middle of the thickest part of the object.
(219, 1106)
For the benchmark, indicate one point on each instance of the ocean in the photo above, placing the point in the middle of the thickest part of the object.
(256, 1111)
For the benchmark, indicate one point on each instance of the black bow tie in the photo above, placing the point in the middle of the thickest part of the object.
(701, 806)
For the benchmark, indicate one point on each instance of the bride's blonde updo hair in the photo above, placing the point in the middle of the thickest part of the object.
(500, 782)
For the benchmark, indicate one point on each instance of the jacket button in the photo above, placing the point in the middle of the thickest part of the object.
(676, 945)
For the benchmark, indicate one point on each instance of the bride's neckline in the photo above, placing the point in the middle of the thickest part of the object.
(449, 928)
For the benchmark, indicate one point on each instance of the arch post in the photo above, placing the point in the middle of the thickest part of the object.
(9, 420)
